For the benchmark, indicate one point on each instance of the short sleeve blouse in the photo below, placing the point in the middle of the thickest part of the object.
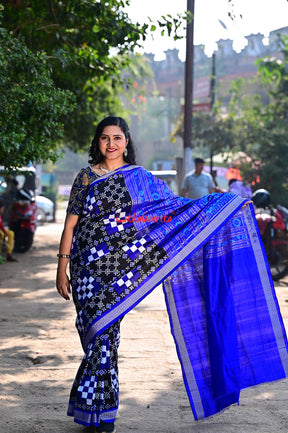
(78, 191)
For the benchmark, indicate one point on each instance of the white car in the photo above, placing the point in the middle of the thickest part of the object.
(45, 209)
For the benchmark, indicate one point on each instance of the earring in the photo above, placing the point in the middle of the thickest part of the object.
(125, 152)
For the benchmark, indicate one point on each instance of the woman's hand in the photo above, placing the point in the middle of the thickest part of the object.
(62, 284)
(247, 202)
(62, 280)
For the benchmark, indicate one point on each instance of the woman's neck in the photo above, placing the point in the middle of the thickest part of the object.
(108, 166)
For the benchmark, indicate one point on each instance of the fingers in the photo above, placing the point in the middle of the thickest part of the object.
(64, 293)
(247, 202)
(63, 287)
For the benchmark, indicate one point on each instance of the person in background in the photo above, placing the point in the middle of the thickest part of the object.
(240, 188)
(214, 177)
(9, 234)
(197, 183)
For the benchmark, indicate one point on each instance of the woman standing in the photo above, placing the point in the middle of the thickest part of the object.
(125, 233)
(111, 148)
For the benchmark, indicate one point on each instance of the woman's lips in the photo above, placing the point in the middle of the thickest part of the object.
(111, 150)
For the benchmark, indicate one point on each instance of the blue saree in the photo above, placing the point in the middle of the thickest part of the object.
(135, 233)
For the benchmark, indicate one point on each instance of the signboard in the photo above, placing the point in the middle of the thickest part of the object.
(201, 87)
(204, 107)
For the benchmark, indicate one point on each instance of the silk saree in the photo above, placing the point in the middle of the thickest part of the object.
(133, 234)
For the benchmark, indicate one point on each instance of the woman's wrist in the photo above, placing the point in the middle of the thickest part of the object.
(63, 256)
(62, 268)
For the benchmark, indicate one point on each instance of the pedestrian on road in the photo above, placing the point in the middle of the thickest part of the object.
(125, 233)
(197, 183)
(239, 187)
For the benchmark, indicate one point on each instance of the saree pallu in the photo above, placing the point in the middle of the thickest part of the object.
(135, 233)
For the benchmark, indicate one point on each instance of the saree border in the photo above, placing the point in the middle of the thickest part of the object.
(269, 291)
(183, 356)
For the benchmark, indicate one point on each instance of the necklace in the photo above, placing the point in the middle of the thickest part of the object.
(105, 169)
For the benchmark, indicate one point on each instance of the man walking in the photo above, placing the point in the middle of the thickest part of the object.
(197, 183)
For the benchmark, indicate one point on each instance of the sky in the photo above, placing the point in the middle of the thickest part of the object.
(258, 16)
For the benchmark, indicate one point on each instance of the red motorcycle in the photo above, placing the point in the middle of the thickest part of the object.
(273, 227)
(23, 220)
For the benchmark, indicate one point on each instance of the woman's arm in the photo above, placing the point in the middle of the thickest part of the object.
(62, 280)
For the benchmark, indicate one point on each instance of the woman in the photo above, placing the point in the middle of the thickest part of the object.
(125, 233)
(111, 148)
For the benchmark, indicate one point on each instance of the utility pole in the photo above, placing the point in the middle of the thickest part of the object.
(212, 95)
(188, 107)
(213, 80)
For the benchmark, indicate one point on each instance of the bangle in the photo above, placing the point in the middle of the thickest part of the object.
(64, 256)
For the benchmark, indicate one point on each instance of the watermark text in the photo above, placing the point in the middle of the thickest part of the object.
(143, 218)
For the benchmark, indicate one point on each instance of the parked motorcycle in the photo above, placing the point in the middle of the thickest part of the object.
(273, 227)
(23, 220)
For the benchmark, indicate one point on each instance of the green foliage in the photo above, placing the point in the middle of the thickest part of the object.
(210, 132)
(262, 130)
(213, 132)
(252, 127)
(274, 73)
(243, 112)
(88, 45)
(77, 38)
(31, 107)
(170, 24)
(153, 119)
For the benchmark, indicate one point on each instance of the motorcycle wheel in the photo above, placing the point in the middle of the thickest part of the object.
(23, 241)
(277, 267)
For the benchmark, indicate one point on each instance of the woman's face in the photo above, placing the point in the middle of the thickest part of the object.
(112, 143)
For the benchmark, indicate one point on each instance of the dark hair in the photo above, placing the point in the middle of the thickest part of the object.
(199, 160)
(1, 203)
(94, 152)
(232, 181)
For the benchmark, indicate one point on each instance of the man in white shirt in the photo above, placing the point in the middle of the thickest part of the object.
(197, 183)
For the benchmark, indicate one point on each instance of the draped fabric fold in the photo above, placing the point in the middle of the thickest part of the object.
(134, 234)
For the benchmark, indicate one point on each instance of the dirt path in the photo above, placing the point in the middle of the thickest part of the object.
(40, 353)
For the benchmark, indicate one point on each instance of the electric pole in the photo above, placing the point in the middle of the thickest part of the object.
(188, 107)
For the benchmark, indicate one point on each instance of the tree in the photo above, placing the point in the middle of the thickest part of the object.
(210, 131)
(261, 130)
(31, 107)
(89, 45)
(258, 129)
